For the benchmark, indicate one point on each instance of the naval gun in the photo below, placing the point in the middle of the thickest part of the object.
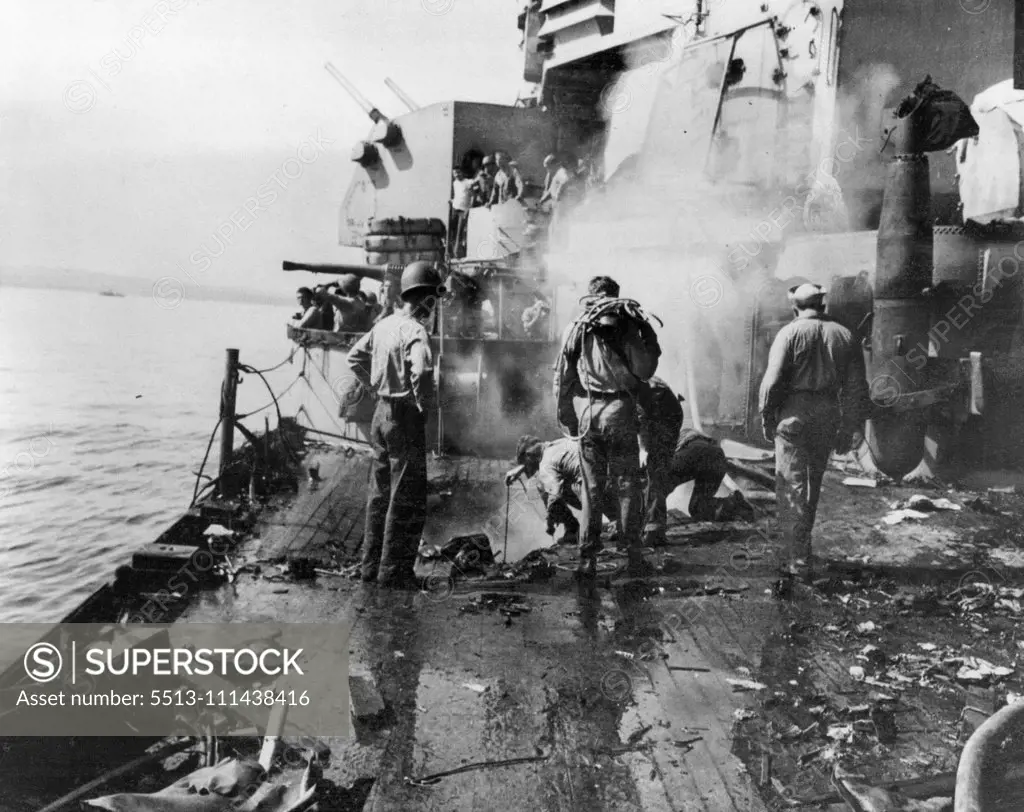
(362, 271)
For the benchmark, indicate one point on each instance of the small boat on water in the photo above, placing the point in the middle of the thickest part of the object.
(109, 292)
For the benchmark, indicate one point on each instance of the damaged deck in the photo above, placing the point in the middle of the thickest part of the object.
(692, 690)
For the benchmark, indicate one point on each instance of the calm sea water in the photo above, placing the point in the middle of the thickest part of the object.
(106, 406)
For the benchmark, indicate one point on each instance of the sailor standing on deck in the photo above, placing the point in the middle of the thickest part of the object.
(394, 360)
(814, 398)
(607, 356)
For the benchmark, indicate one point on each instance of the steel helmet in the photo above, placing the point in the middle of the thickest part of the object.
(349, 284)
(420, 275)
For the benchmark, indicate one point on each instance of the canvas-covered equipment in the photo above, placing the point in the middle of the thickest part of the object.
(988, 165)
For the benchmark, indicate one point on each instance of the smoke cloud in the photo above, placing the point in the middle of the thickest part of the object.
(693, 228)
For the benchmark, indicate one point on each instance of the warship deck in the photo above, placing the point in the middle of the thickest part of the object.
(695, 689)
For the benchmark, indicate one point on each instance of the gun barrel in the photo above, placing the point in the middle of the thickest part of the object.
(362, 271)
(402, 95)
(368, 108)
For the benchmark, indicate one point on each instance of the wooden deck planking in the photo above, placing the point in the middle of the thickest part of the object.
(311, 522)
(697, 699)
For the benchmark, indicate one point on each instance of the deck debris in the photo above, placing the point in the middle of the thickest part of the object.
(227, 786)
(898, 516)
(365, 700)
(919, 502)
(433, 778)
(218, 530)
(746, 685)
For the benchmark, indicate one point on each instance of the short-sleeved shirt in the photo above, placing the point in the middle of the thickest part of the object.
(394, 359)
(559, 468)
(462, 194)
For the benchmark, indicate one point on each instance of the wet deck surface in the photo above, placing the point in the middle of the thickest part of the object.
(618, 695)
(580, 682)
(620, 691)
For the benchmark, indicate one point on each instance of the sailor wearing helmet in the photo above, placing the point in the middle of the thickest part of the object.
(813, 398)
(394, 362)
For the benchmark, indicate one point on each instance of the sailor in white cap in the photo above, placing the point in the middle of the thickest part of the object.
(814, 398)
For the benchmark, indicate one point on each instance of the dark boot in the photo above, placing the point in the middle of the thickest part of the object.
(587, 568)
(637, 566)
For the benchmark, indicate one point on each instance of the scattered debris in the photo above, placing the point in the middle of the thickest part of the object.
(924, 503)
(427, 780)
(534, 566)
(636, 735)
(860, 482)
(364, 699)
(742, 714)
(476, 686)
(160, 754)
(863, 797)
(976, 669)
(840, 733)
(688, 668)
(897, 516)
(218, 530)
(857, 673)
(272, 739)
(224, 787)
(746, 685)
(510, 604)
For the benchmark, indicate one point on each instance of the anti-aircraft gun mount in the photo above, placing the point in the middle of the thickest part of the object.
(492, 375)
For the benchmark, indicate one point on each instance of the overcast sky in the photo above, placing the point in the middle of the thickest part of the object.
(133, 130)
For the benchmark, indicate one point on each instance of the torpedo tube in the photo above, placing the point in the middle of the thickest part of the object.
(901, 312)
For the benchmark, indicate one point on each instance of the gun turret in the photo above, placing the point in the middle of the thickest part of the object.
(379, 273)
(385, 131)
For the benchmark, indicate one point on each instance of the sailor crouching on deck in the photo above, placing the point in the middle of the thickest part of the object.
(813, 398)
(557, 468)
(700, 459)
(607, 356)
(394, 360)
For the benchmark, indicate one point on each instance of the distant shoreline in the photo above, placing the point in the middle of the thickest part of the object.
(165, 289)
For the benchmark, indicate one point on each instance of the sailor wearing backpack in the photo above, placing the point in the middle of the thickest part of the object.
(608, 354)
